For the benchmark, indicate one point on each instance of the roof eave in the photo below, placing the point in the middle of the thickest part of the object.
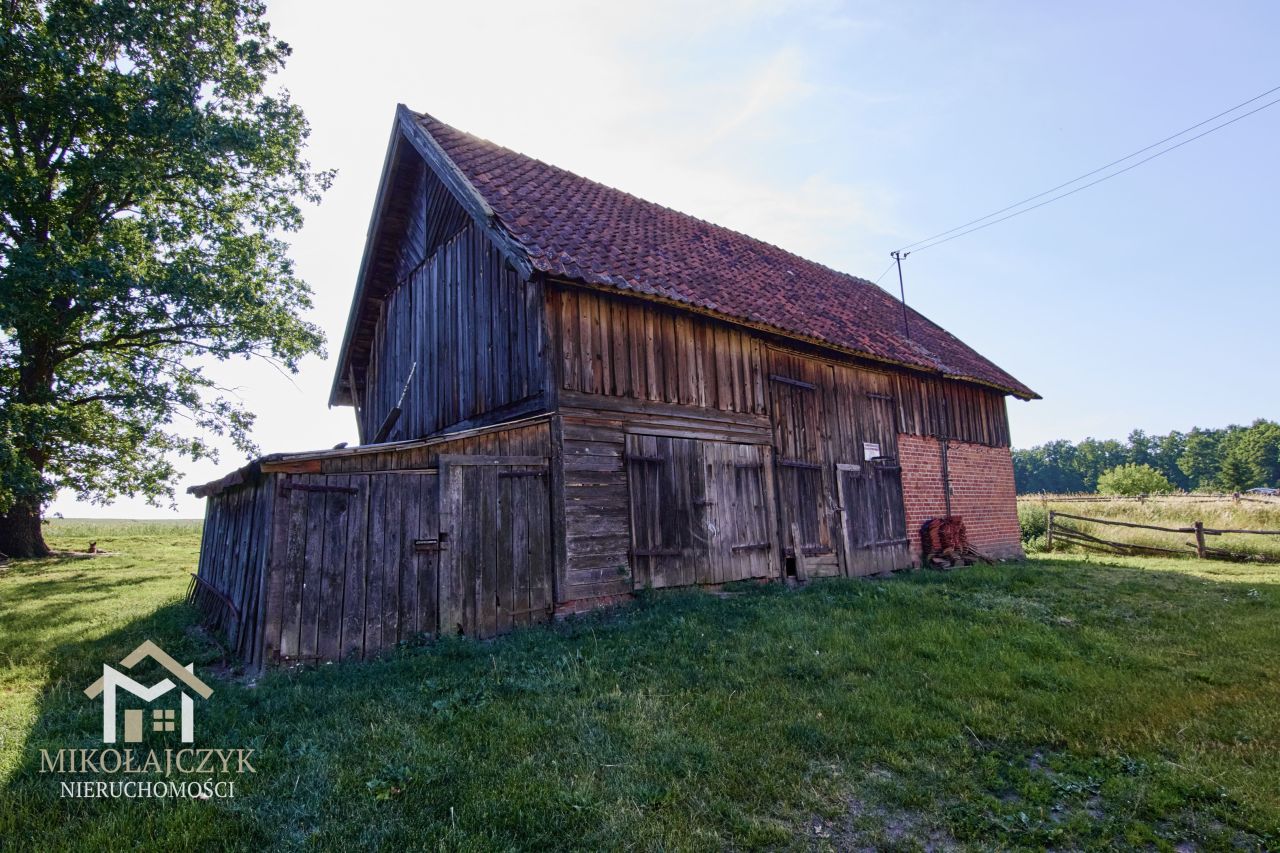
(340, 393)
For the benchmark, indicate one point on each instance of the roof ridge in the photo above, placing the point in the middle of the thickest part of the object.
(649, 202)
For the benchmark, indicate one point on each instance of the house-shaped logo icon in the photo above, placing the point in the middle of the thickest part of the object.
(162, 719)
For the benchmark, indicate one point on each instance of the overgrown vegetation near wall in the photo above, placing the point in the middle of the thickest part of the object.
(1230, 459)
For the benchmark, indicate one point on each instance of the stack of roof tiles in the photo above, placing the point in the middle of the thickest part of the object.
(945, 542)
(940, 535)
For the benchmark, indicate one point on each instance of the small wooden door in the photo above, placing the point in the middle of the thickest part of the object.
(701, 511)
(495, 529)
(741, 528)
(348, 577)
(873, 521)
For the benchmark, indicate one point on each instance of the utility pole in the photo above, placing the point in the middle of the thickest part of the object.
(902, 290)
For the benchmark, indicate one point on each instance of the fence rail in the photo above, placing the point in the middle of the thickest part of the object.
(1072, 536)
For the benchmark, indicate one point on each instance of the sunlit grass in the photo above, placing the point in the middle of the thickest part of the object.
(1067, 702)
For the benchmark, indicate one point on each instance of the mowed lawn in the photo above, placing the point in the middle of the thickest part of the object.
(1057, 702)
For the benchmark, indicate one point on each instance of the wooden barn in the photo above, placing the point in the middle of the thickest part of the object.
(565, 393)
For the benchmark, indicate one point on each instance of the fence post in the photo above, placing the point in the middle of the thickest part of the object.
(1199, 526)
(1048, 534)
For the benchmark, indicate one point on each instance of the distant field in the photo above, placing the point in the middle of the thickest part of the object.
(1063, 702)
(1179, 511)
(68, 533)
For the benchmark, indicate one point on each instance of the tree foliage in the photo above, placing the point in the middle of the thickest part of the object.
(147, 175)
(1231, 459)
(1133, 479)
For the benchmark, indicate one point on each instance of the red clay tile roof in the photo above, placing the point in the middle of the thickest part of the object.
(577, 229)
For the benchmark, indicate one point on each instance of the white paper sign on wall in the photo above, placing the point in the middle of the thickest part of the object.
(870, 451)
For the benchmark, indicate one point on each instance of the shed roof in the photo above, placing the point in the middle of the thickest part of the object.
(573, 228)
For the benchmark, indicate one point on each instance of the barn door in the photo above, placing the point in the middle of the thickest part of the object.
(701, 511)
(800, 433)
(353, 571)
(668, 510)
(873, 522)
(874, 527)
(741, 529)
(496, 531)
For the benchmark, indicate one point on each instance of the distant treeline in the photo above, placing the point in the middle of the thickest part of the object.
(1229, 460)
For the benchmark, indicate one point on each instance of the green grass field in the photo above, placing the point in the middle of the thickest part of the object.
(1065, 702)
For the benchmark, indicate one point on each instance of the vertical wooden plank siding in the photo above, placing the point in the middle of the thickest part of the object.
(460, 316)
(233, 591)
(802, 428)
(352, 609)
(947, 408)
(627, 348)
(614, 346)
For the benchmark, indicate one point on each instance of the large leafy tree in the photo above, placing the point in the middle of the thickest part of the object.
(1202, 457)
(147, 173)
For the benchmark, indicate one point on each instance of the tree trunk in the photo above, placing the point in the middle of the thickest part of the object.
(20, 534)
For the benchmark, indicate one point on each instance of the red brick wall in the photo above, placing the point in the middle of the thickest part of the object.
(982, 492)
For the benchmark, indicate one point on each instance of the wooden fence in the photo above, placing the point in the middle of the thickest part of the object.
(1057, 531)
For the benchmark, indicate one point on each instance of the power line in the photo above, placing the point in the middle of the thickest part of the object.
(1098, 181)
(934, 241)
(886, 272)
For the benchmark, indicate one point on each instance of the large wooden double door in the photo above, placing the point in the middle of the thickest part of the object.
(840, 498)
(701, 511)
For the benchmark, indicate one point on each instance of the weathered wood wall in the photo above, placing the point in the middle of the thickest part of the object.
(386, 545)
(345, 580)
(596, 509)
(343, 554)
(619, 347)
(234, 549)
(623, 366)
(473, 328)
(701, 511)
(829, 421)
(616, 346)
(947, 408)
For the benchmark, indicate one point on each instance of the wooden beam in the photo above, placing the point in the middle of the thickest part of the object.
(477, 459)
(795, 383)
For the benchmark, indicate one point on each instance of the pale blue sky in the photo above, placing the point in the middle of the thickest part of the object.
(842, 130)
